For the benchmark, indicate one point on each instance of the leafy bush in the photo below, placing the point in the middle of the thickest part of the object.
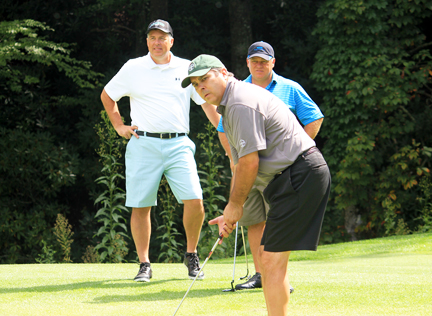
(47, 255)
(91, 255)
(28, 193)
(112, 199)
(374, 70)
(63, 232)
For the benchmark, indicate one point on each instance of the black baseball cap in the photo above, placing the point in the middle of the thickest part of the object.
(162, 25)
(261, 49)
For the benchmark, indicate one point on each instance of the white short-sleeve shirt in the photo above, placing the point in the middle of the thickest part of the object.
(158, 103)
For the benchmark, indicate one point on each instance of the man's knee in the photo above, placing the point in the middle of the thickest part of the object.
(272, 261)
(141, 211)
(194, 205)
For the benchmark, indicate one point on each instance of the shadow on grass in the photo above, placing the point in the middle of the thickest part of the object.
(164, 295)
(115, 284)
(105, 284)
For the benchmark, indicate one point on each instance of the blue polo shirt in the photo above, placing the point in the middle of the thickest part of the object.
(294, 96)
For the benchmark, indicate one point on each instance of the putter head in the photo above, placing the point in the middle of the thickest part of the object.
(232, 289)
(247, 277)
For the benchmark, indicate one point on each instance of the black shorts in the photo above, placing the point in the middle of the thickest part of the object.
(297, 198)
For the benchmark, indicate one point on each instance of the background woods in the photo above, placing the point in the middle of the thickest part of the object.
(367, 64)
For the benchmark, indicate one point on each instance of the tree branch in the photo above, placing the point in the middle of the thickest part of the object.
(408, 113)
(113, 29)
(420, 47)
(425, 94)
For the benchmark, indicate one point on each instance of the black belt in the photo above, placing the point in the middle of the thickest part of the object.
(160, 135)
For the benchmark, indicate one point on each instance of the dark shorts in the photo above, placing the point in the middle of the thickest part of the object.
(297, 198)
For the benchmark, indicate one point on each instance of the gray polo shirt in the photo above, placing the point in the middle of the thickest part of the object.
(256, 120)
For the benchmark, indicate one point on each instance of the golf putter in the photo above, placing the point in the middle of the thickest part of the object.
(247, 276)
(202, 267)
(232, 289)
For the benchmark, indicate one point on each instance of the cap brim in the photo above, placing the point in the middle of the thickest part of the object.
(160, 29)
(186, 81)
(263, 56)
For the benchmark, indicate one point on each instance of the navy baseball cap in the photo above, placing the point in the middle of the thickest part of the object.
(261, 49)
(162, 25)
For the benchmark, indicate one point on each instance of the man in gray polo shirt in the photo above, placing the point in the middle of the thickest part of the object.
(269, 147)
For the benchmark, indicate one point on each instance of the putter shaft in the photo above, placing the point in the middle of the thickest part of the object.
(202, 267)
(247, 264)
(235, 253)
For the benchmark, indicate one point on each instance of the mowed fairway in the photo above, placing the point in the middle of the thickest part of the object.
(386, 276)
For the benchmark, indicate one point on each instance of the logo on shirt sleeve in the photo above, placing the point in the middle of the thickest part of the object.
(242, 143)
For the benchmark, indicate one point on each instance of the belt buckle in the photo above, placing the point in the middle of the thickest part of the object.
(169, 135)
(160, 135)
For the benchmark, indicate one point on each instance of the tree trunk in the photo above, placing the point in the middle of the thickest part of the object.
(241, 36)
(352, 221)
(141, 27)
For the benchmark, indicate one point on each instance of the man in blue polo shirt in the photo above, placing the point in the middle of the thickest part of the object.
(261, 61)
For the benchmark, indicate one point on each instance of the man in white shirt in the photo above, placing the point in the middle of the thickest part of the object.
(158, 143)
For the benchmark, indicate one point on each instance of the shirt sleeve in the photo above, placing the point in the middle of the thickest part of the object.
(248, 130)
(195, 96)
(118, 86)
(219, 128)
(306, 110)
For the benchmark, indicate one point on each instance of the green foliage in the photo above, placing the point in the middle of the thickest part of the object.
(63, 232)
(21, 43)
(47, 255)
(169, 247)
(112, 199)
(28, 194)
(213, 181)
(91, 255)
(375, 72)
(37, 161)
(425, 200)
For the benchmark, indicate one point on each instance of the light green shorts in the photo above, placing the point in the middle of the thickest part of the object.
(148, 158)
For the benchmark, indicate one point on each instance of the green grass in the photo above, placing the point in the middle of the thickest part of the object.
(386, 276)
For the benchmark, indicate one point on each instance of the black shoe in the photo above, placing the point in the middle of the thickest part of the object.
(144, 273)
(254, 283)
(191, 261)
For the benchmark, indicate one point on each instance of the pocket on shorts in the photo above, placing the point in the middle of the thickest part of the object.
(280, 186)
(190, 144)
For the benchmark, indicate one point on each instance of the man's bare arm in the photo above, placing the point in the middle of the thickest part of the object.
(224, 141)
(211, 113)
(114, 115)
(313, 128)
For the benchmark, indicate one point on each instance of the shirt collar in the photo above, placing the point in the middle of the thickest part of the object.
(229, 87)
(174, 62)
(275, 78)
